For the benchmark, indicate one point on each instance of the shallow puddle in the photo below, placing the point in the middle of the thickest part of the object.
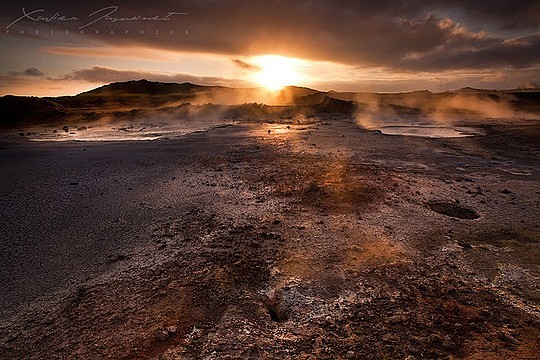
(432, 131)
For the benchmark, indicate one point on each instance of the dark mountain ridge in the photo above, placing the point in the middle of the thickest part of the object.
(132, 97)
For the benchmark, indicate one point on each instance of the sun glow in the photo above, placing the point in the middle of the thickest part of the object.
(276, 72)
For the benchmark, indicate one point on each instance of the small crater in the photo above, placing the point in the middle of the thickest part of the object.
(120, 257)
(453, 210)
(274, 304)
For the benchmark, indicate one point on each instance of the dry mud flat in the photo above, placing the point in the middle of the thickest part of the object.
(319, 240)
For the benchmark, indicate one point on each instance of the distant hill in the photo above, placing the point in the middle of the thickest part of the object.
(137, 94)
(16, 110)
(145, 87)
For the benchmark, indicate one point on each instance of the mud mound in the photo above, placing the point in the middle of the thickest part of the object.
(453, 210)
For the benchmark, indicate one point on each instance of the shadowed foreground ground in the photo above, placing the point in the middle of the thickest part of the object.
(320, 240)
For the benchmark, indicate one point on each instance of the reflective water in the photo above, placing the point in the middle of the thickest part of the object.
(432, 131)
(148, 132)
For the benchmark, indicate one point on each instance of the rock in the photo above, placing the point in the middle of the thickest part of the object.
(48, 321)
(65, 128)
(172, 329)
(464, 245)
(396, 319)
(350, 354)
(435, 339)
(161, 293)
(447, 344)
(508, 338)
(505, 191)
(21, 134)
(161, 334)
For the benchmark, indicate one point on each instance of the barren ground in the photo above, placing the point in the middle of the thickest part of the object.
(321, 240)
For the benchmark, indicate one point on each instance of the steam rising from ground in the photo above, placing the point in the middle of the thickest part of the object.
(145, 110)
(425, 108)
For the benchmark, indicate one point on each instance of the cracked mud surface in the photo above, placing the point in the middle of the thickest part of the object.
(321, 240)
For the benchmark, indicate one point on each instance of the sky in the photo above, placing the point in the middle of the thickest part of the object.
(52, 48)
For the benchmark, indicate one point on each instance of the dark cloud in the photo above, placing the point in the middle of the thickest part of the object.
(470, 53)
(400, 35)
(245, 65)
(516, 14)
(31, 72)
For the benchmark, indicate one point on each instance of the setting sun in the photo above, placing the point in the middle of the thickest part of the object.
(276, 72)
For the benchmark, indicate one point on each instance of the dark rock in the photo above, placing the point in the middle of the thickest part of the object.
(65, 128)
(464, 245)
(507, 338)
(447, 344)
(120, 257)
(161, 334)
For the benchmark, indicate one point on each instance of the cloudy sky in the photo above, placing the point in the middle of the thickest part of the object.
(65, 47)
